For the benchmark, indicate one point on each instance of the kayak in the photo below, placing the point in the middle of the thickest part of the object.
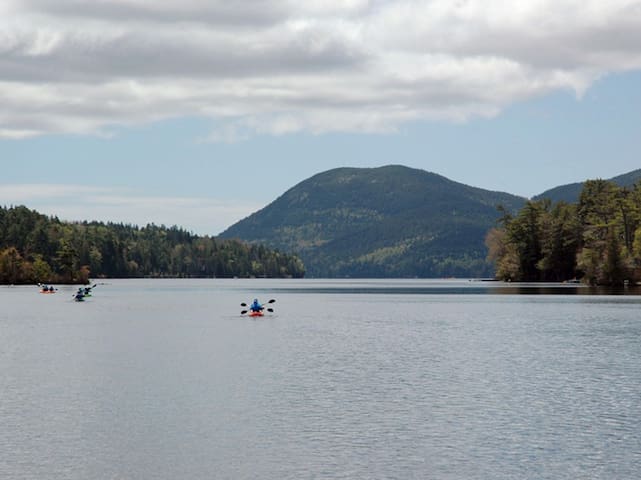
(256, 314)
(47, 291)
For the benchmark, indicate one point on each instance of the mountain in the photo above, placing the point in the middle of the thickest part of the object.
(570, 193)
(391, 221)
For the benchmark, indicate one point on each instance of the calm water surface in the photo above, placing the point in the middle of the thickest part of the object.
(155, 379)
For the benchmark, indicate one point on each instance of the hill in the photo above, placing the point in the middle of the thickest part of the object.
(570, 193)
(391, 221)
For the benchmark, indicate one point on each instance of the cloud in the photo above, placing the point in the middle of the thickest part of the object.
(205, 216)
(281, 66)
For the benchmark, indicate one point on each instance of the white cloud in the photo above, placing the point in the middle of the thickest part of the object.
(205, 216)
(282, 66)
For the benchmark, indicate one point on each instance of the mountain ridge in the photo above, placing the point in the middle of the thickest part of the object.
(570, 192)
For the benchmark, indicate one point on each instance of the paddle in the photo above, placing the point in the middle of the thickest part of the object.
(244, 304)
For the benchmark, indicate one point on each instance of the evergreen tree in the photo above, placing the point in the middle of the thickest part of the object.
(36, 248)
(598, 239)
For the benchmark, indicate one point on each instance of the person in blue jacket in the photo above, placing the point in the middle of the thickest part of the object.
(255, 306)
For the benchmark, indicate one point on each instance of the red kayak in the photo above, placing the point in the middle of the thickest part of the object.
(256, 314)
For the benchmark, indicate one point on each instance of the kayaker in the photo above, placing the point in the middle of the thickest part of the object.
(255, 306)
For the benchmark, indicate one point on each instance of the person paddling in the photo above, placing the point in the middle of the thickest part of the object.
(80, 295)
(255, 306)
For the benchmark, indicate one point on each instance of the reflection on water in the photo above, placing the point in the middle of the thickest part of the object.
(453, 287)
(361, 379)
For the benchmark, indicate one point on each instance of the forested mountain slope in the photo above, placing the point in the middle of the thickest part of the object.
(391, 221)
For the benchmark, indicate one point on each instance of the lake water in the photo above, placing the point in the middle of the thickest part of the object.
(164, 379)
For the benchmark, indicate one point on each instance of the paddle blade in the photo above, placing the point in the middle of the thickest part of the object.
(243, 312)
(272, 301)
(270, 310)
(243, 304)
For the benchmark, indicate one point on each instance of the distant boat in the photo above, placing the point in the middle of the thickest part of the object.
(47, 288)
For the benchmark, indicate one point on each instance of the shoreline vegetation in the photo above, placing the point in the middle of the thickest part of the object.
(35, 248)
(596, 241)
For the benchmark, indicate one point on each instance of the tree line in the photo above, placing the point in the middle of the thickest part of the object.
(35, 248)
(597, 240)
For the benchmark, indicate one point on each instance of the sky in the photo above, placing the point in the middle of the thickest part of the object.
(198, 113)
